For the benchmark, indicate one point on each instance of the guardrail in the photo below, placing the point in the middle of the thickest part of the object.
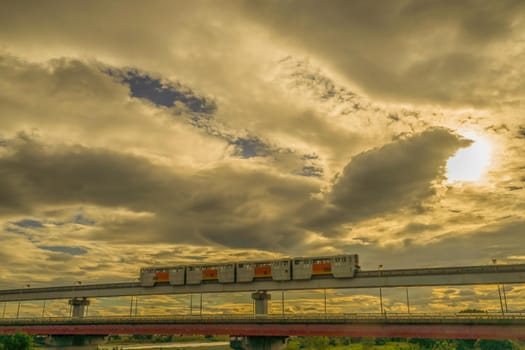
(442, 270)
(461, 318)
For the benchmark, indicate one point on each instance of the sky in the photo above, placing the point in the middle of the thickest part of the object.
(139, 133)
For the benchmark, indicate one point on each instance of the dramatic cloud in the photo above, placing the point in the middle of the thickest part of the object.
(165, 132)
(215, 206)
(447, 52)
(398, 175)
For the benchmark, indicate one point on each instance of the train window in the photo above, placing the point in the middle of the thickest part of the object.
(241, 266)
(296, 262)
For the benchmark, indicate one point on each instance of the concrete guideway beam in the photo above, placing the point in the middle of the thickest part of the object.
(450, 276)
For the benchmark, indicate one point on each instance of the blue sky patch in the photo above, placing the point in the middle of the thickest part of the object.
(251, 147)
(82, 220)
(29, 223)
(162, 93)
(312, 171)
(64, 249)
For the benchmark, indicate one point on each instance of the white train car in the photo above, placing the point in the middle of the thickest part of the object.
(177, 275)
(221, 273)
(345, 266)
(174, 275)
(147, 276)
(277, 270)
(338, 266)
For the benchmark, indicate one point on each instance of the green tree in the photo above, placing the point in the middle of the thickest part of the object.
(423, 343)
(18, 341)
(367, 343)
(444, 345)
(318, 343)
(465, 344)
(485, 344)
(293, 344)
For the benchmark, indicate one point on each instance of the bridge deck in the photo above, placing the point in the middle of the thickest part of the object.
(484, 326)
(329, 318)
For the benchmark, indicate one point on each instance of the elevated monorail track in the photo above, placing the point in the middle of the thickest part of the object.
(417, 277)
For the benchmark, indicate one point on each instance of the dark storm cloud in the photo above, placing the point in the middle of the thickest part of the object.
(431, 51)
(235, 208)
(390, 178)
(78, 174)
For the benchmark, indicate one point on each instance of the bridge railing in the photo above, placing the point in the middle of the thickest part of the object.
(474, 318)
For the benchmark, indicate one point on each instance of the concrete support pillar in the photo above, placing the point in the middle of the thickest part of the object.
(260, 299)
(78, 307)
(261, 302)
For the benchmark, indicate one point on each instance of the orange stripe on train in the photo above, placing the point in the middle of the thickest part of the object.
(263, 271)
(209, 274)
(322, 268)
(162, 276)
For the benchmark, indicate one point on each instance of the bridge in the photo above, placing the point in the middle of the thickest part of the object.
(272, 328)
(450, 326)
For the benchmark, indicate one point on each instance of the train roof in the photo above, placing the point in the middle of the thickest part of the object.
(167, 267)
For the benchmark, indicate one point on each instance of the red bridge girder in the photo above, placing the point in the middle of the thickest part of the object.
(444, 331)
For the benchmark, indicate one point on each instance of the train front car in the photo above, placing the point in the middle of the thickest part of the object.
(221, 273)
(277, 270)
(338, 266)
(345, 266)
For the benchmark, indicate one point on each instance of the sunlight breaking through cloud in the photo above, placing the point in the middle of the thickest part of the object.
(470, 164)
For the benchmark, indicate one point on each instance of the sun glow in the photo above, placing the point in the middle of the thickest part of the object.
(469, 164)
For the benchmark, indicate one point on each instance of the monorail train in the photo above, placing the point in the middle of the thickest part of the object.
(337, 266)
